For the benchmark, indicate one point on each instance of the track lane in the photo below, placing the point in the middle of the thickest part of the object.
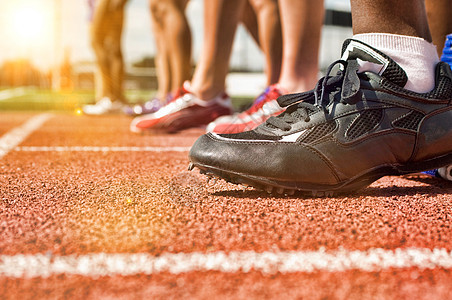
(112, 131)
(10, 120)
(63, 203)
(410, 284)
(112, 202)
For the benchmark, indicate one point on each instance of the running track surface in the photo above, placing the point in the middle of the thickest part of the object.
(91, 211)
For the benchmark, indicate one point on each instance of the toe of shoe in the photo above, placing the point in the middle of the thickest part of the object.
(287, 162)
(134, 125)
(204, 151)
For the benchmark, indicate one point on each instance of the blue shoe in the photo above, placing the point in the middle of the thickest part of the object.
(444, 172)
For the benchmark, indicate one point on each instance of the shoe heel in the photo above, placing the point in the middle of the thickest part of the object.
(444, 172)
(447, 50)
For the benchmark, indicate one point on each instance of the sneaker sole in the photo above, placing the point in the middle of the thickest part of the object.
(290, 188)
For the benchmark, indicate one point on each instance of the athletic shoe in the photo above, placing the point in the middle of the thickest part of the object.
(447, 50)
(147, 107)
(183, 112)
(103, 106)
(153, 105)
(352, 129)
(444, 172)
(263, 108)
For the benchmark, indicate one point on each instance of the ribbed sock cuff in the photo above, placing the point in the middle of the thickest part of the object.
(402, 43)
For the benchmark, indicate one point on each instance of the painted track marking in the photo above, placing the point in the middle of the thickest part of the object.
(100, 149)
(103, 264)
(14, 137)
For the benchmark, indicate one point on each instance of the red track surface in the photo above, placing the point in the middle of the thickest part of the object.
(64, 203)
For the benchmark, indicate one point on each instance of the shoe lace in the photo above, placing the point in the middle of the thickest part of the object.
(345, 84)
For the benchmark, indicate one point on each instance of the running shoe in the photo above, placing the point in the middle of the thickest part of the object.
(147, 107)
(446, 171)
(103, 106)
(153, 105)
(443, 172)
(352, 129)
(263, 108)
(183, 112)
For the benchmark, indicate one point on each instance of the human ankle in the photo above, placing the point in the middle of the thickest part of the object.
(416, 57)
(291, 86)
(206, 92)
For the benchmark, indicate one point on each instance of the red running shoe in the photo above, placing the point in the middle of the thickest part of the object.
(263, 108)
(184, 112)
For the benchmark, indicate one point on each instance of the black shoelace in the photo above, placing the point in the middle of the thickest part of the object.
(301, 105)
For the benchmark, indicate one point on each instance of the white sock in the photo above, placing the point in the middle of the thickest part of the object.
(416, 56)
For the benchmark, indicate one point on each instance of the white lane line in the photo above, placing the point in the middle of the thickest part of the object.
(100, 149)
(104, 264)
(14, 137)
(12, 93)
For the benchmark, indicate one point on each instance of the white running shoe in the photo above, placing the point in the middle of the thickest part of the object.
(103, 106)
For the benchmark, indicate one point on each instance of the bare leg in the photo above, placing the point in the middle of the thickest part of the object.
(301, 25)
(181, 40)
(115, 54)
(162, 56)
(98, 32)
(103, 70)
(220, 22)
(249, 20)
(403, 17)
(270, 38)
(438, 13)
(173, 42)
(402, 32)
(106, 31)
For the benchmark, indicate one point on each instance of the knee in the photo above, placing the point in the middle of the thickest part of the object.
(97, 41)
(261, 5)
(114, 50)
(159, 9)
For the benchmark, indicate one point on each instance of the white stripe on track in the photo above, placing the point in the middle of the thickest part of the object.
(103, 264)
(14, 137)
(100, 149)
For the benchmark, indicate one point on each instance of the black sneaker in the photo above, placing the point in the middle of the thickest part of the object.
(352, 129)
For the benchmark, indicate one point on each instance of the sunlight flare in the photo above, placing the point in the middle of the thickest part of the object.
(30, 22)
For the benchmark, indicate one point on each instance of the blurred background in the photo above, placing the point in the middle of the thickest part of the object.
(46, 61)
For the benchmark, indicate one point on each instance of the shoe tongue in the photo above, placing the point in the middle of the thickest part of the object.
(371, 59)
